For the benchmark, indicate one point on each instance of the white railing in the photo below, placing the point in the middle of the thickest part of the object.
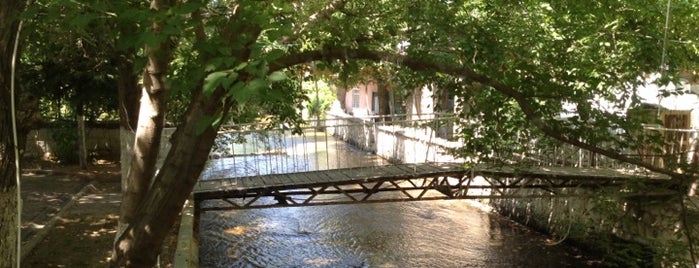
(333, 143)
(250, 150)
(659, 146)
(342, 141)
(679, 146)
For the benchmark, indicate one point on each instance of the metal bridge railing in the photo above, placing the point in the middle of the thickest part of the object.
(676, 146)
(660, 146)
(343, 141)
(333, 143)
(255, 150)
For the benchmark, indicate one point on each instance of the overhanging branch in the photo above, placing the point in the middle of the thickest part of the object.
(416, 64)
(425, 64)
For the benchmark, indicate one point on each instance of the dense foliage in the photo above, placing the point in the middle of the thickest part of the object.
(516, 67)
(558, 58)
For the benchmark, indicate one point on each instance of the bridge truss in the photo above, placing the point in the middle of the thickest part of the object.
(407, 182)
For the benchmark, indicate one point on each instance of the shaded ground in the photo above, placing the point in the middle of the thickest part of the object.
(70, 216)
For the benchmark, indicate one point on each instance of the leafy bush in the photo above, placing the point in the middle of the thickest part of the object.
(65, 137)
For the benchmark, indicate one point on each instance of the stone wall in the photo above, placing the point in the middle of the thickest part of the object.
(356, 131)
(627, 231)
(413, 145)
(101, 142)
(392, 141)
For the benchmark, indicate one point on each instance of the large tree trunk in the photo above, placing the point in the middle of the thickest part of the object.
(139, 245)
(154, 214)
(129, 94)
(146, 146)
(141, 241)
(8, 226)
(145, 152)
(9, 9)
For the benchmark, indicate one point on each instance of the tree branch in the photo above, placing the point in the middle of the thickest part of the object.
(326, 12)
(416, 64)
(322, 14)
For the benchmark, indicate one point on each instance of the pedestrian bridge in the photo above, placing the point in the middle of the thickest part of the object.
(408, 182)
(342, 161)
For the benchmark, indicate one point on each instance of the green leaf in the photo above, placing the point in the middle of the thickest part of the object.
(82, 21)
(242, 93)
(212, 81)
(218, 119)
(189, 7)
(240, 66)
(214, 64)
(227, 81)
(237, 87)
(225, 51)
(275, 54)
(256, 84)
(257, 68)
(223, 78)
(151, 39)
(277, 76)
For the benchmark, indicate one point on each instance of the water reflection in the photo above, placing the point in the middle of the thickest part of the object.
(411, 234)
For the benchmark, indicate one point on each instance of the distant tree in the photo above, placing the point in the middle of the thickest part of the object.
(70, 69)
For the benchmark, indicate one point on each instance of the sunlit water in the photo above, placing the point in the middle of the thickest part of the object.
(449, 233)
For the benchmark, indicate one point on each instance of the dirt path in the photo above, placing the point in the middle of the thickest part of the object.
(70, 217)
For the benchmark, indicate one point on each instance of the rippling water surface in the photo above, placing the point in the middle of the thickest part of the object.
(410, 234)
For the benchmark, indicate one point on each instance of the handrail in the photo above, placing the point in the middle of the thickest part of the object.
(417, 138)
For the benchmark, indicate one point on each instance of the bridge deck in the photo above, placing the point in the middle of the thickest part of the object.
(324, 177)
(414, 181)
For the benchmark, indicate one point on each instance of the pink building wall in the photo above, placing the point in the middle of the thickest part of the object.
(359, 99)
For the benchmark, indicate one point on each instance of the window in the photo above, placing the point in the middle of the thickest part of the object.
(677, 138)
(355, 98)
(375, 103)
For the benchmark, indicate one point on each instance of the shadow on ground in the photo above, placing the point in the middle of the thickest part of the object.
(70, 216)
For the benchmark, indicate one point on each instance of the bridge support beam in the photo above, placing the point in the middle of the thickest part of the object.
(374, 185)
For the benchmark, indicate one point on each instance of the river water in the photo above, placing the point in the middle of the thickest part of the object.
(448, 233)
